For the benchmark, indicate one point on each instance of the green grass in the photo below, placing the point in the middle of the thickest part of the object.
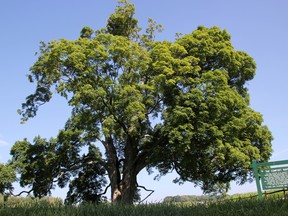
(268, 207)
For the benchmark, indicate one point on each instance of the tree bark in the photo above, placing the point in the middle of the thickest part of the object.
(124, 186)
(124, 192)
(113, 169)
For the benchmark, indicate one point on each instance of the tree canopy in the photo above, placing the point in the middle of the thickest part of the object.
(181, 106)
(7, 177)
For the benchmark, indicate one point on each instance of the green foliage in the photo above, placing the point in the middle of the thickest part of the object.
(208, 110)
(44, 161)
(86, 187)
(86, 32)
(192, 199)
(28, 202)
(141, 98)
(122, 22)
(195, 199)
(36, 164)
(240, 207)
(7, 177)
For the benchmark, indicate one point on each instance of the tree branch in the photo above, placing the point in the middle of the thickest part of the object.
(115, 117)
(105, 191)
(155, 106)
(151, 192)
(15, 195)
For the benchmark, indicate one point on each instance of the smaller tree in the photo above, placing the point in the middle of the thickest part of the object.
(85, 186)
(7, 177)
(43, 162)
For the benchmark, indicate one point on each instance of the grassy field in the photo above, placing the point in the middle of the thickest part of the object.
(268, 207)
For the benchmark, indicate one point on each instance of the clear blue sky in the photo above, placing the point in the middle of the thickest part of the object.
(258, 27)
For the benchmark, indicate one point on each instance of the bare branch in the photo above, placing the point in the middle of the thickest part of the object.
(105, 191)
(15, 195)
(151, 192)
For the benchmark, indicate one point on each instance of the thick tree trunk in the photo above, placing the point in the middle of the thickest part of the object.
(124, 185)
(124, 192)
(129, 188)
